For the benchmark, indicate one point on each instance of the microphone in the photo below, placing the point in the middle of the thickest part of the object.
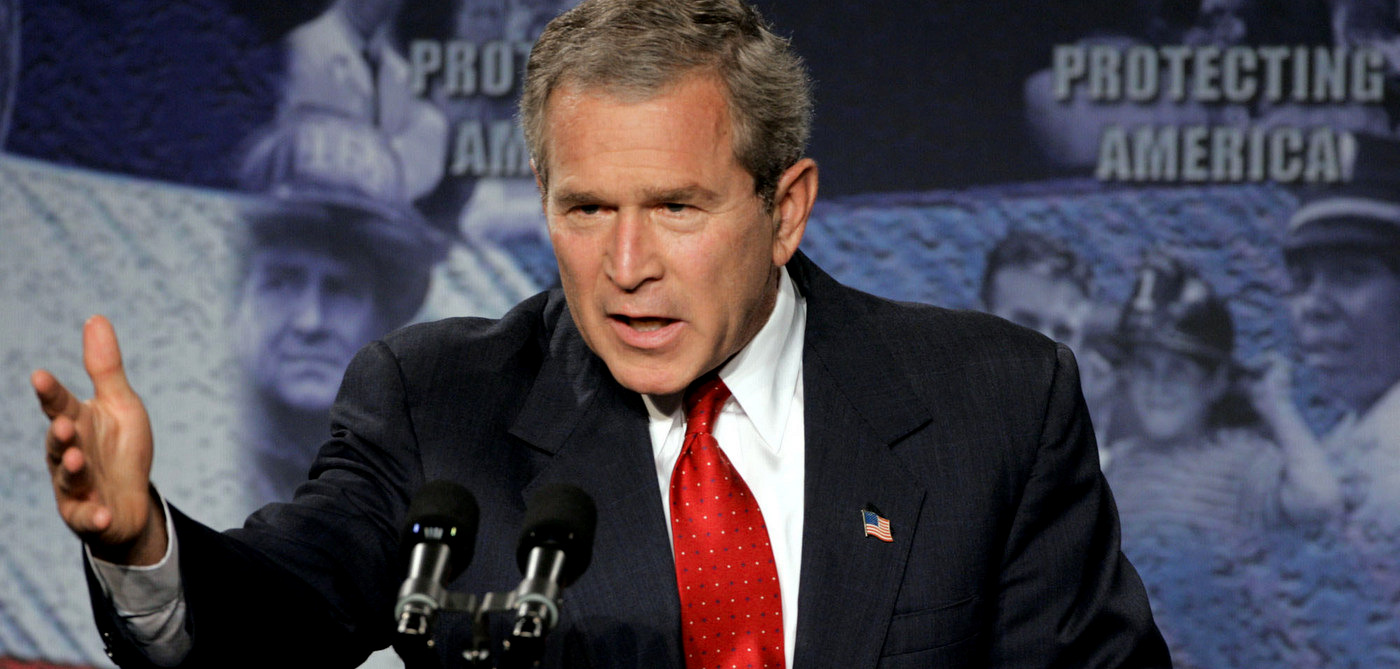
(438, 538)
(556, 545)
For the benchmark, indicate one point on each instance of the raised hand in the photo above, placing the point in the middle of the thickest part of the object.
(99, 455)
(1269, 383)
(1309, 493)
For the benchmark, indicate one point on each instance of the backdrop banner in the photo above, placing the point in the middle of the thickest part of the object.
(1202, 199)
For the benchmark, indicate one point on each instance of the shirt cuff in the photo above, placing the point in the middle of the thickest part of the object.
(142, 590)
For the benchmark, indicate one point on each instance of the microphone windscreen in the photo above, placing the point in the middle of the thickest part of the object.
(445, 512)
(564, 517)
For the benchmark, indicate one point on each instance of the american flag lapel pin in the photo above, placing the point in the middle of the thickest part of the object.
(876, 525)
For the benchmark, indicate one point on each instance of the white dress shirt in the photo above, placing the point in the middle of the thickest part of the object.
(150, 599)
(760, 429)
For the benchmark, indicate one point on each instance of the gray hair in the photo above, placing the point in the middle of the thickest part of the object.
(635, 48)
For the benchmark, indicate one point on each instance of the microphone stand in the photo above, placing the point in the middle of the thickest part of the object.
(523, 648)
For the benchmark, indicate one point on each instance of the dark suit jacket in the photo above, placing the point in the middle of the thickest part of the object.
(968, 433)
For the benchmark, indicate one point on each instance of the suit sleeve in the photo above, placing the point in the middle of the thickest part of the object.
(1068, 596)
(310, 583)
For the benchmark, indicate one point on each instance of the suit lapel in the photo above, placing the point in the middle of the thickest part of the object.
(856, 407)
(595, 433)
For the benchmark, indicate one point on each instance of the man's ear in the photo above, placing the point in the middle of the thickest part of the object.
(792, 204)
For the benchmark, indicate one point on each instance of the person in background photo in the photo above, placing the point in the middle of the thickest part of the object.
(1219, 461)
(1342, 251)
(337, 258)
(1039, 282)
(348, 62)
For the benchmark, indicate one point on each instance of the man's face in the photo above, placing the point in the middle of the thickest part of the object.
(1056, 308)
(1171, 393)
(1345, 305)
(667, 257)
(303, 315)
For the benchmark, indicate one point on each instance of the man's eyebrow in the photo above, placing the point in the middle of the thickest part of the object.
(569, 199)
(693, 193)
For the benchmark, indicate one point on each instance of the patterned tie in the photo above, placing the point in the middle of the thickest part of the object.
(731, 613)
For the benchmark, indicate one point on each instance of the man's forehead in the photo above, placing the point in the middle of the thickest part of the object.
(584, 121)
(571, 93)
(1014, 278)
(322, 256)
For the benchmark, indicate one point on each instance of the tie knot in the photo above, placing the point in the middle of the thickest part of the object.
(702, 403)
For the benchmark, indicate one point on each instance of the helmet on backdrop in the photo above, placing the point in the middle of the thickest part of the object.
(335, 182)
(1174, 308)
(1363, 211)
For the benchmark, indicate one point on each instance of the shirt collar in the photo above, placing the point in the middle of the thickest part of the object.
(763, 375)
(1382, 418)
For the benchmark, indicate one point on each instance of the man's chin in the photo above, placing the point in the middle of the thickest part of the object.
(310, 393)
(649, 380)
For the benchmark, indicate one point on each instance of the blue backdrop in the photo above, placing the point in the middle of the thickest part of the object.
(253, 189)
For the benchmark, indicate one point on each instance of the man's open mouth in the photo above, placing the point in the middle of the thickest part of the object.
(645, 324)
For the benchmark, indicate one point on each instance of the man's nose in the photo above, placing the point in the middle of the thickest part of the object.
(309, 313)
(633, 253)
(1315, 301)
(1154, 381)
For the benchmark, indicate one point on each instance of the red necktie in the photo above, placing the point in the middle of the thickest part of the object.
(731, 613)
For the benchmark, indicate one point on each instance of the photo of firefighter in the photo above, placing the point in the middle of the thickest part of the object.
(337, 258)
(1220, 461)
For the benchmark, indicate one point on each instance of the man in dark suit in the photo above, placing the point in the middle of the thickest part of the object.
(922, 483)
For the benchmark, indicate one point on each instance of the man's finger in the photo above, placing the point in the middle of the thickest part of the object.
(103, 359)
(73, 476)
(86, 517)
(59, 439)
(54, 399)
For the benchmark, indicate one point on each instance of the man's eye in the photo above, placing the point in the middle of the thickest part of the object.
(1354, 272)
(1298, 280)
(278, 281)
(344, 287)
(675, 207)
(585, 210)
